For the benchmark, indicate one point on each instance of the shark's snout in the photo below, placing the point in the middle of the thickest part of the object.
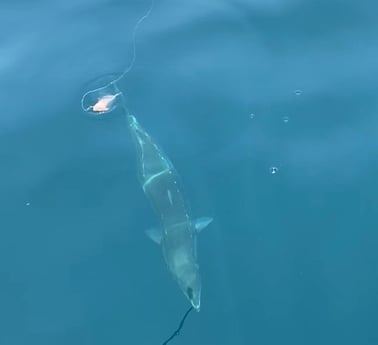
(194, 296)
(196, 304)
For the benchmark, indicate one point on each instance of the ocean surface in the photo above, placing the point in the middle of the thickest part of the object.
(269, 111)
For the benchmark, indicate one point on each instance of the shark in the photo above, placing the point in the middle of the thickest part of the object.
(177, 233)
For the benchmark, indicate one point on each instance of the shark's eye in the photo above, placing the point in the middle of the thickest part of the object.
(189, 291)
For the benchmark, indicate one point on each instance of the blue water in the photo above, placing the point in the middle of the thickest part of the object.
(291, 257)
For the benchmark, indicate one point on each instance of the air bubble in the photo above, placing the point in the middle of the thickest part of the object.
(285, 119)
(251, 115)
(298, 92)
(273, 170)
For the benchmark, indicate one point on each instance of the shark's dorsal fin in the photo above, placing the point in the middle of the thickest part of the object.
(154, 234)
(201, 223)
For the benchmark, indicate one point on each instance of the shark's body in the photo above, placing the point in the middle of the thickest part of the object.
(160, 183)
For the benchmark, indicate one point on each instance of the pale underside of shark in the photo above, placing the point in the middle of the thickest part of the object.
(178, 233)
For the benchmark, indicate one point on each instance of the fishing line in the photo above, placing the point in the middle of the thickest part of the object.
(177, 331)
(105, 98)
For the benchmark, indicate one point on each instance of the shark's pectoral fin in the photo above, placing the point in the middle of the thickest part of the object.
(154, 234)
(201, 223)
